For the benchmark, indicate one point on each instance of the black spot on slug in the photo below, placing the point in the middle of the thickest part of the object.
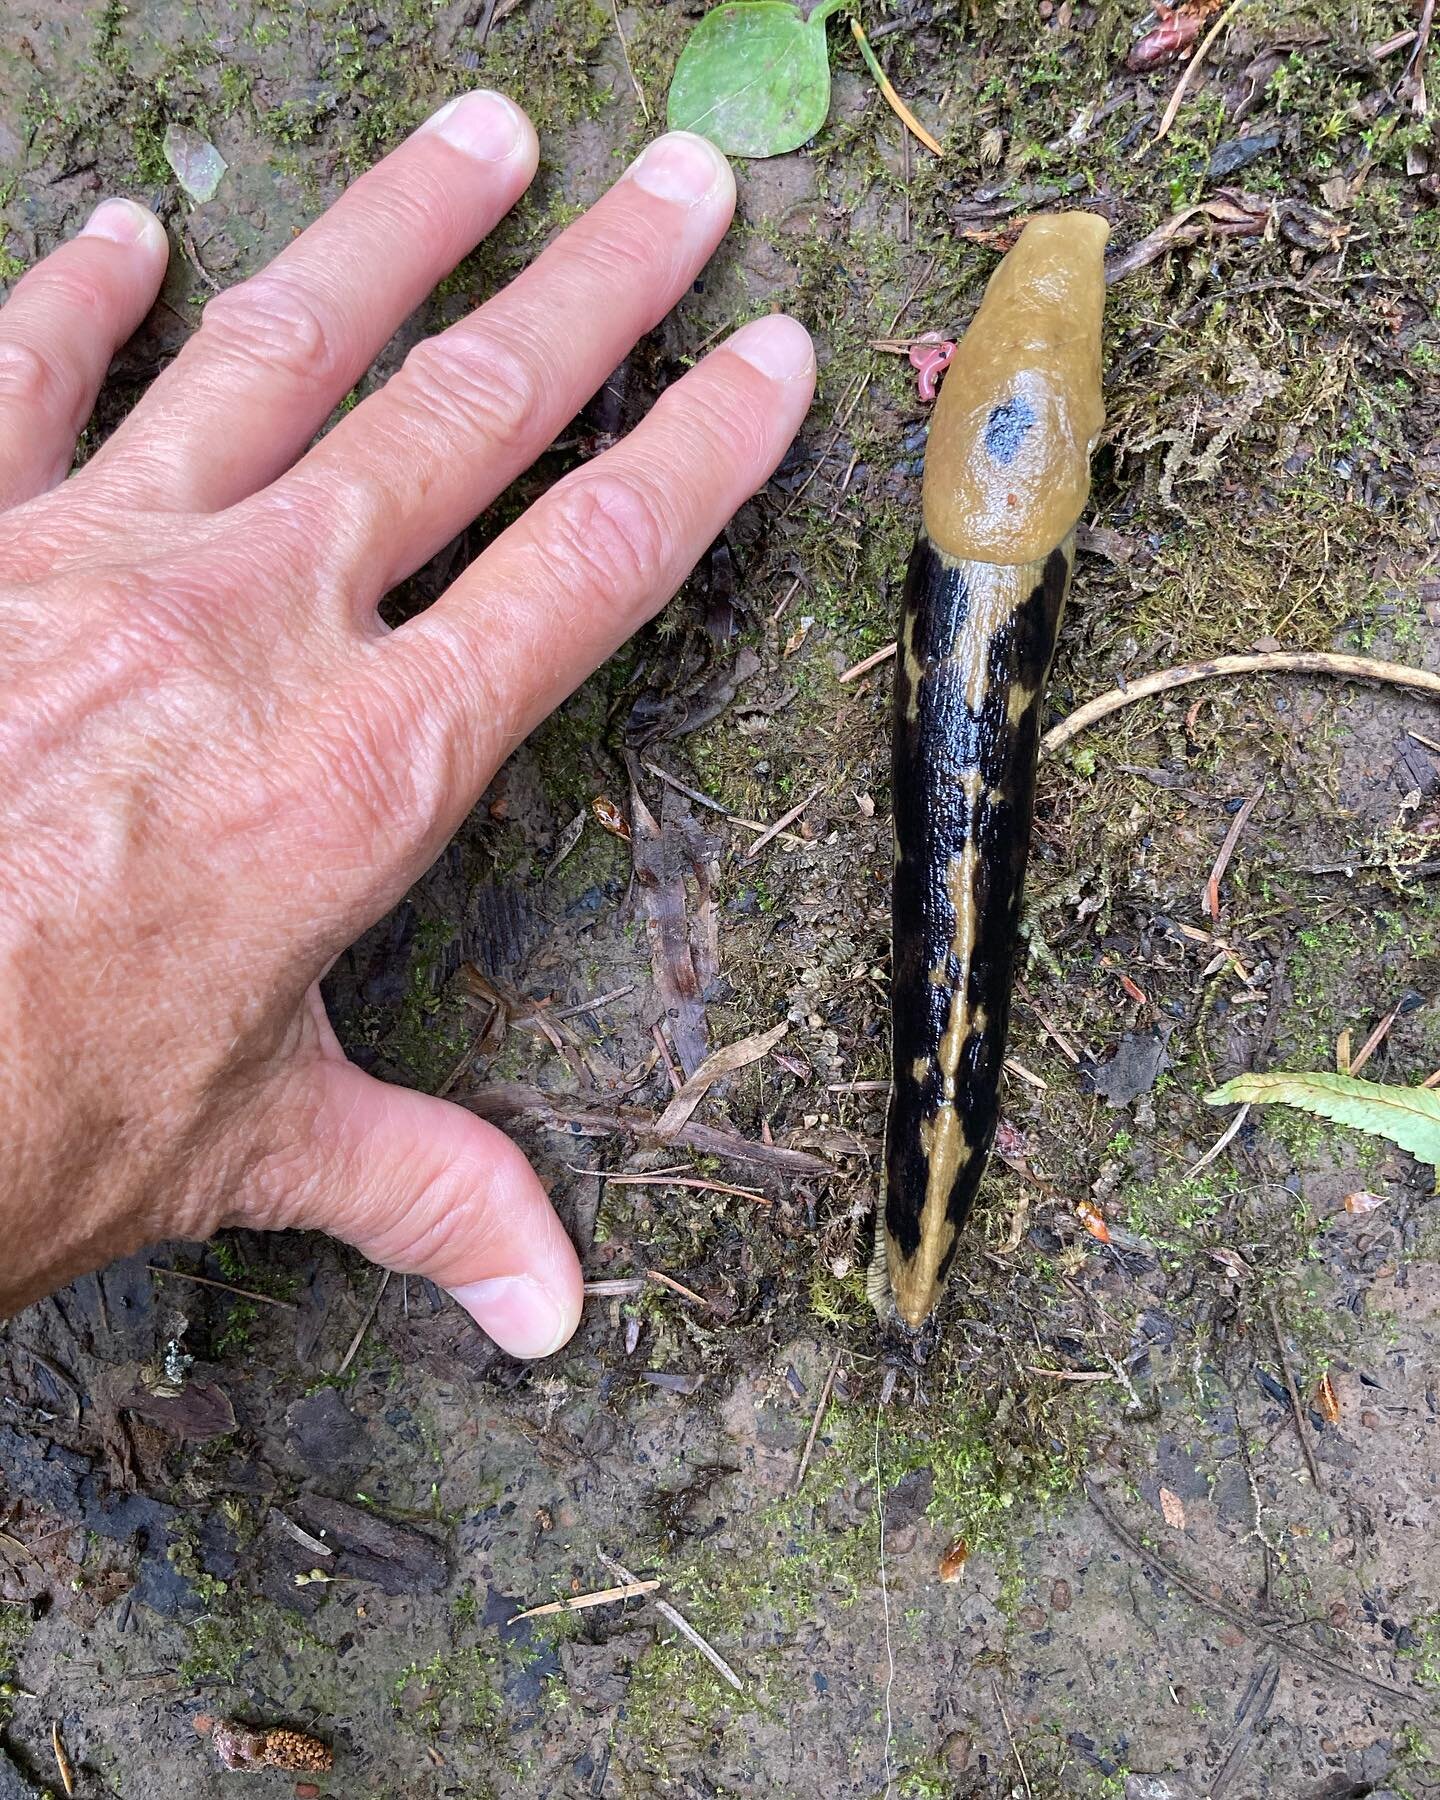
(1006, 429)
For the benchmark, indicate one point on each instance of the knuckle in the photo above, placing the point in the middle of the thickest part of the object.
(611, 531)
(475, 381)
(29, 380)
(269, 320)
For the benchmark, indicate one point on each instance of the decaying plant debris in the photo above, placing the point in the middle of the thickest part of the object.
(351, 1553)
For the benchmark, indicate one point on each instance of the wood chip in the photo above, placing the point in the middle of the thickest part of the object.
(1173, 1507)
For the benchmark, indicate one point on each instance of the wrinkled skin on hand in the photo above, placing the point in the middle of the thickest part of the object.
(220, 767)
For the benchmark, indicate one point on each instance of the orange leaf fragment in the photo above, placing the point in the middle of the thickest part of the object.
(1091, 1217)
(952, 1563)
(1327, 1400)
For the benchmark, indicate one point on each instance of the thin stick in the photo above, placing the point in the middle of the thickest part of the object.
(714, 805)
(629, 66)
(885, 1604)
(628, 1590)
(1302, 1430)
(683, 1625)
(62, 1761)
(1375, 1040)
(621, 1287)
(1227, 850)
(695, 1182)
(1014, 1747)
(1292, 662)
(1070, 1374)
(1220, 1142)
(679, 1287)
(1244, 1620)
(1018, 1068)
(901, 111)
(1192, 69)
(820, 1406)
(364, 1324)
(225, 1287)
(870, 662)
(789, 818)
(1050, 1028)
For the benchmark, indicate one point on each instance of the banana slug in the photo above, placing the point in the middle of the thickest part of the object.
(1007, 475)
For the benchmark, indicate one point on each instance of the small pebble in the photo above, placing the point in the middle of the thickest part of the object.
(1031, 1617)
(1370, 1420)
(1060, 1596)
(1339, 1614)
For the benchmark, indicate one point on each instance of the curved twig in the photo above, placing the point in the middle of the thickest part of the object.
(1292, 662)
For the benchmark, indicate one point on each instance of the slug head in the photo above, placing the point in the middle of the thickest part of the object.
(1007, 471)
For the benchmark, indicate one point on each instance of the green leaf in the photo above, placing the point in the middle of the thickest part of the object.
(1409, 1117)
(754, 77)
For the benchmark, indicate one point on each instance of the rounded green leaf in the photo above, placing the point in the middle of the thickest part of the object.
(754, 77)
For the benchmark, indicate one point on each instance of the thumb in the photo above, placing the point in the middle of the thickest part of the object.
(425, 1188)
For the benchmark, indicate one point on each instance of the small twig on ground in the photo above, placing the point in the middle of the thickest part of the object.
(1014, 1747)
(364, 1325)
(672, 1074)
(885, 1596)
(714, 805)
(1401, 41)
(628, 1590)
(901, 111)
(1220, 1143)
(1192, 69)
(694, 1182)
(820, 1406)
(1018, 1068)
(1227, 850)
(866, 664)
(683, 1625)
(1050, 1028)
(1244, 1620)
(1375, 1040)
(785, 819)
(225, 1287)
(620, 1287)
(62, 1761)
(1291, 662)
(1069, 1374)
(629, 66)
(1302, 1429)
(679, 1287)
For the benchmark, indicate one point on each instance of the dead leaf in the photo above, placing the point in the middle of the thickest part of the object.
(611, 817)
(952, 1563)
(1233, 1261)
(1362, 1202)
(1226, 214)
(1327, 1401)
(722, 1062)
(1172, 37)
(1173, 1508)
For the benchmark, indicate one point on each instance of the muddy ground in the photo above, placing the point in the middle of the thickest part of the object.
(1155, 1595)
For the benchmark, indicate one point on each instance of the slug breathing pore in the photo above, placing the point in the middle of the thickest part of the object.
(1007, 475)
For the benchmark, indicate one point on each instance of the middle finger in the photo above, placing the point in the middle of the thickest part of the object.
(473, 406)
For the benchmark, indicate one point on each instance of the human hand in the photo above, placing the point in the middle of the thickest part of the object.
(220, 767)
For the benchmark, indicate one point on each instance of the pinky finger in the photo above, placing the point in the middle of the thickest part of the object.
(58, 331)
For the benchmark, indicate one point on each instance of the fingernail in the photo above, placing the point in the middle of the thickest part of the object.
(778, 346)
(125, 222)
(518, 1313)
(484, 125)
(681, 167)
